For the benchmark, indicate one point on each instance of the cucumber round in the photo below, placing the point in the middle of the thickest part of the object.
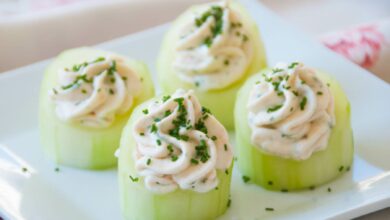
(221, 101)
(75, 145)
(277, 173)
(137, 202)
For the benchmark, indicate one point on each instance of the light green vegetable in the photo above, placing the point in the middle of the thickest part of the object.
(70, 143)
(276, 173)
(221, 101)
(137, 202)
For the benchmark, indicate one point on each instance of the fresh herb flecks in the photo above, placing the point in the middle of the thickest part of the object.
(274, 108)
(216, 12)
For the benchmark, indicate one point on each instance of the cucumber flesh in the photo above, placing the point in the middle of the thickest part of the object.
(276, 173)
(74, 145)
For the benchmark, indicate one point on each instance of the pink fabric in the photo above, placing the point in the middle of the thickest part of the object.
(362, 44)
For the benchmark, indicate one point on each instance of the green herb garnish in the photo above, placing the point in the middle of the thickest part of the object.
(274, 108)
(134, 179)
(302, 104)
(194, 161)
(174, 158)
(246, 179)
(153, 128)
(292, 65)
(165, 98)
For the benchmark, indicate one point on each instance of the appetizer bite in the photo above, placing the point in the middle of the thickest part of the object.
(175, 161)
(86, 98)
(212, 49)
(292, 128)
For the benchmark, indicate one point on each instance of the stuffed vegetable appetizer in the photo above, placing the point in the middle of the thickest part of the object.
(212, 49)
(293, 128)
(175, 161)
(87, 96)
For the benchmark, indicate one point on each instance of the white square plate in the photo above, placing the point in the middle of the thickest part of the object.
(42, 193)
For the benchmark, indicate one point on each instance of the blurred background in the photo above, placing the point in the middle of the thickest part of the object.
(32, 30)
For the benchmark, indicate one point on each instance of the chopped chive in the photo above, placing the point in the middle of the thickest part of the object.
(246, 179)
(99, 59)
(269, 209)
(149, 161)
(284, 190)
(124, 78)
(214, 138)
(142, 134)
(167, 112)
(84, 91)
(194, 161)
(184, 137)
(303, 103)
(319, 93)
(292, 65)
(24, 169)
(274, 108)
(341, 168)
(170, 148)
(329, 189)
(245, 38)
(226, 62)
(157, 119)
(158, 142)
(111, 91)
(312, 187)
(153, 128)
(134, 179)
(57, 169)
(145, 111)
(229, 203)
(270, 183)
(165, 98)
(295, 93)
(225, 147)
(174, 158)
(227, 172)
(208, 41)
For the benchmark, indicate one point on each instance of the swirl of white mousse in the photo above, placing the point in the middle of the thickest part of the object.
(93, 92)
(214, 49)
(179, 144)
(291, 112)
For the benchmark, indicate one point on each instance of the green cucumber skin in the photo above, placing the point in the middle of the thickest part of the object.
(74, 145)
(220, 102)
(288, 174)
(139, 203)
